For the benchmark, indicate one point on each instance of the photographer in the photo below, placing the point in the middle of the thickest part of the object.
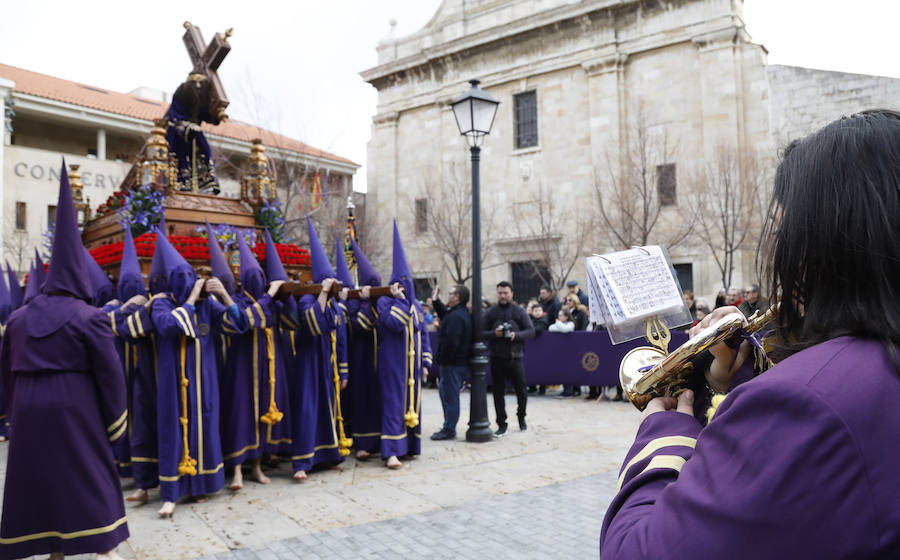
(506, 327)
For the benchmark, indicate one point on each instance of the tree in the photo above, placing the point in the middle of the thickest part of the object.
(557, 235)
(443, 209)
(636, 185)
(727, 199)
(16, 246)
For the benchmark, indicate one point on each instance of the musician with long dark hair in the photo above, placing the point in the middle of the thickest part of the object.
(799, 462)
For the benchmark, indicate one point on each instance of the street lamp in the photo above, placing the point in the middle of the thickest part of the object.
(474, 112)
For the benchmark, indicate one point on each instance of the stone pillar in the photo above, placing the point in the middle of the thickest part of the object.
(721, 89)
(101, 144)
(6, 87)
(383, 161)
(607, 102)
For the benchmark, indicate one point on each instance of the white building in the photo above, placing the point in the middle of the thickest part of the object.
(579, 82)
(47, 118)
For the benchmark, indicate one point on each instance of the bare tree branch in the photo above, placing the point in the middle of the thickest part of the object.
(726, 195)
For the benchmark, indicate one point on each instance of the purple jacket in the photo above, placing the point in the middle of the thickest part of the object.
(800, 462)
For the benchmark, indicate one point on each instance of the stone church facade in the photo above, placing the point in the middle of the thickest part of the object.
(586, 89)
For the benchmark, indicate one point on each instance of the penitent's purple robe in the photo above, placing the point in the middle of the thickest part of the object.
(4, 421)
(134, 330)
(311, 384)
(800, 462)
(403, 351)
(364, 402)
(122, 448)
(186, 339)
(66, 399)
(252, 358)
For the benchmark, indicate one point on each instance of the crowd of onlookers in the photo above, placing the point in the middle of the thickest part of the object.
(549, 313)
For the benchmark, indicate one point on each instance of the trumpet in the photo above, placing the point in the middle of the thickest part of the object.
(647, 372)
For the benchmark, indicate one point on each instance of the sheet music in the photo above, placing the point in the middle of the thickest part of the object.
(626, 287)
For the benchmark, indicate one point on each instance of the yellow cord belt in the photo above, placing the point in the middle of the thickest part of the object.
(187, 465)
(411, 417)
(344, 443)
(273, 416)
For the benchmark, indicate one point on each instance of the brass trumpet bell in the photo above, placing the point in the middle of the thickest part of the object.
(647, 372)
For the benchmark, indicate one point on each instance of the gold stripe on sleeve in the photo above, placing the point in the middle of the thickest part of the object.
(652, 447)
(115, 425)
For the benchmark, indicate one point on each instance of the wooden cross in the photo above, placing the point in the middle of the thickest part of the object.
(206, 60)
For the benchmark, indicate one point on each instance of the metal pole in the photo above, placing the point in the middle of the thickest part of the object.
(479, 426)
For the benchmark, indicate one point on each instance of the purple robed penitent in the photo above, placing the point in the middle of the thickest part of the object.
(364, 391)
(5, 310)
(800, 462)
(186, 351)
(403, 351)
(136, 344)
(67, 402)
(253, 421)
(308, 348)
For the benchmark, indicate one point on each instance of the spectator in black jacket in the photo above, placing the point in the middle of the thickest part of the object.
(506, 326)
(454, 343)
(549, 303)
(574, 289)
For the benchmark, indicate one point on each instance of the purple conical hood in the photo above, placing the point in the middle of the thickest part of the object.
(342, 269)
(218, 262)
(180, 275)
(68, 270)
(131, 281)
(16, 296)
(5, 306)
(321, 268)
(253, 279)
(274, 268)
(401, 272)
(39, 273)
(364, 269)
(102, 286)
(32, 287)
(158, 280)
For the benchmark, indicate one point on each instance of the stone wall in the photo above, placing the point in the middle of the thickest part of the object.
(805, 99)
(687, 66)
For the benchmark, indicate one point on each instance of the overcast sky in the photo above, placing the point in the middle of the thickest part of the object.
(294, 66)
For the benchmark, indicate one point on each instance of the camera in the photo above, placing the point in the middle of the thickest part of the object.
(507, 328)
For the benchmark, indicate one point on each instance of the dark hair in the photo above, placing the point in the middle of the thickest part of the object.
(504, 284)
(546, 288)
(462, 293)
(565, 312)
(833, 233)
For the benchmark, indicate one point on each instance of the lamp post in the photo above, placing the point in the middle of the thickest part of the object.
(474, 112)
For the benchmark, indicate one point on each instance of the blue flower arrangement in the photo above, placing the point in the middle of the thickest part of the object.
(142, 209)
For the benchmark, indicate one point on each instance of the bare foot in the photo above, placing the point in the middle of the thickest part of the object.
(363, 454)
(200, 499)
(111, 555)
(338, 467)
(299, 476)
(140, 496)
(56, 556)
(393, 462)
(257, 474)
(238, 481)
(167, 509)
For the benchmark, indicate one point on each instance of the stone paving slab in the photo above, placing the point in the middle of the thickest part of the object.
(486, 499)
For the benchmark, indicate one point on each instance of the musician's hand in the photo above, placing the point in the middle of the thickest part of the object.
(365, 292)
(684, 403)
(725, 364)
(274, 286)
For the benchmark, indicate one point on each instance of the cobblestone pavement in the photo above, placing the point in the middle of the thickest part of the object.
(534, 494)
(557, 521)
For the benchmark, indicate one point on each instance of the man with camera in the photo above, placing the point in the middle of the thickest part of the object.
(454, 343)
(506, 327)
